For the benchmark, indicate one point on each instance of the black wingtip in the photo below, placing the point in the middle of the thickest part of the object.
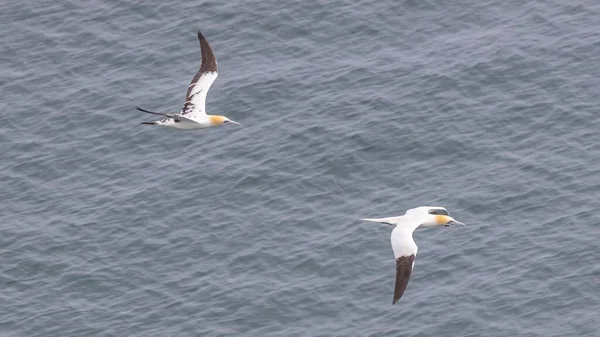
(148, 123)
(200, 36)
(142, 110)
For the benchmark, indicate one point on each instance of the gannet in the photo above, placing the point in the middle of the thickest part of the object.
(193, 114)
(403, 244)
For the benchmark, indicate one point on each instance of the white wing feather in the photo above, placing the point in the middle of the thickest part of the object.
(402, 242)
(195, 105)
(195, 98)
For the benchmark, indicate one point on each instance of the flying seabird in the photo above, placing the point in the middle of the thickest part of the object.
(403, 244)
(193, 114)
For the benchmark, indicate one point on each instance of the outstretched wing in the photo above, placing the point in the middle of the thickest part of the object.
(404, 265)
(195, 99)
(405, 251)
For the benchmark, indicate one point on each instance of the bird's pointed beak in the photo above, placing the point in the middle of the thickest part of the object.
(455, 223)
(236, 123)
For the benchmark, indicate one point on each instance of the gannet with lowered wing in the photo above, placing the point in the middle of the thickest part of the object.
(405, 249)
(193, 114)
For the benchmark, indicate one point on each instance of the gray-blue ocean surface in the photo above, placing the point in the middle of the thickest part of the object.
(350, 109)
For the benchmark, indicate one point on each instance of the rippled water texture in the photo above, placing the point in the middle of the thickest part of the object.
(349, 110)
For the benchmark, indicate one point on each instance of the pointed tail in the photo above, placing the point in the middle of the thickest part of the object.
(388, 221)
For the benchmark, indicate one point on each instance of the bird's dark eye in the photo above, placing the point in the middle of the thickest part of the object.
(437, 211)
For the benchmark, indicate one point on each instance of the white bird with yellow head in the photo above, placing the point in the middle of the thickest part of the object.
(193, 114)
(405, 249)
